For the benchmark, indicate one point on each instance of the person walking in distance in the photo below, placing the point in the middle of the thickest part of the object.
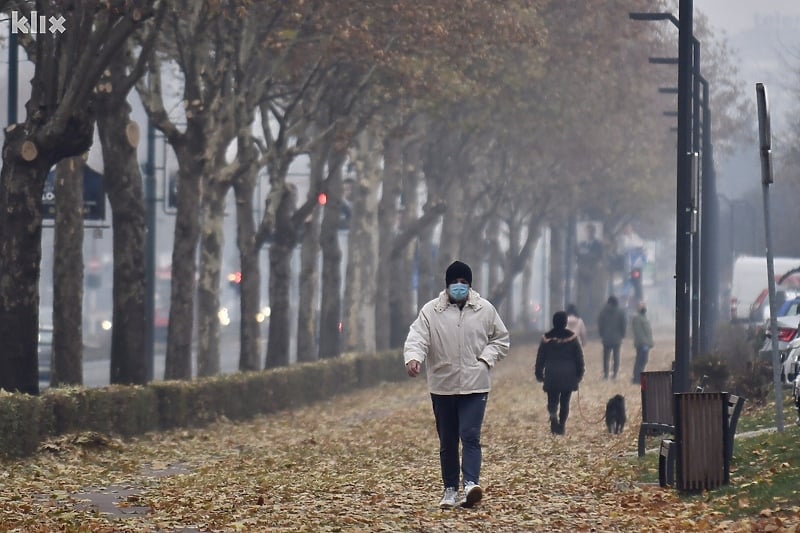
(611, 324)
(459, 336)
(575, 323)
(560, 367)
(642, 340)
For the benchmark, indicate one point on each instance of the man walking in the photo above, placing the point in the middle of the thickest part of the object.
(611, 324)
(642, 340)
(460, 337)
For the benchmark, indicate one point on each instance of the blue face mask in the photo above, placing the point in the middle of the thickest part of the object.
(458, 291)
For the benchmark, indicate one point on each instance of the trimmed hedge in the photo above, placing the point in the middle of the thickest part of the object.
(132, 410)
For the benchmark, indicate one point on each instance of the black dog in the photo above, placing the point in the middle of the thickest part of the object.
(615, 414)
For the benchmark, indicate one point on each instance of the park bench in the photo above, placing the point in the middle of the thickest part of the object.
(657, 403)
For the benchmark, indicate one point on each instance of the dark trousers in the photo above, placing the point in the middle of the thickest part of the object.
(558, 405)
(610, 349)
(459, 417)
(641, 361)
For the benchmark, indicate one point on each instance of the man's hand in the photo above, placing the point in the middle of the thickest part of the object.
(413, 368)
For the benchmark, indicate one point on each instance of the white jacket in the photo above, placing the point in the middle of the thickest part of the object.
(455, 341)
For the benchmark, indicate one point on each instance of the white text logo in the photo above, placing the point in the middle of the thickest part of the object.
(36, 24)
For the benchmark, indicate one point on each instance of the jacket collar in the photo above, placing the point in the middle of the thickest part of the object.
(565, 335)
(473, 300)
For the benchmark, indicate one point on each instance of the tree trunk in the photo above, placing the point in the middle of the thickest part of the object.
(280, 272)
(21, 188)
(331, 305)
(178, 364)
(557, 238)
(403, 301)
(250, 286)
(387, 220)
(362, 248)
(307, 312)
(527, 315)
(67, 357)
(452, 226)
(208, 304)
(427, 288)
(122, 180)
(494, 257)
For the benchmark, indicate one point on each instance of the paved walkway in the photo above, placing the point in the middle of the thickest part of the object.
(366, 461)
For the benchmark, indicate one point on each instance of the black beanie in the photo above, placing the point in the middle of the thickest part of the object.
(458, 270)
(560, 320)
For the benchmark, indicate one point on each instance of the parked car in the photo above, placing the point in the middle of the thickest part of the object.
(750, 277)
(759, 309)
(787, 333)
(790, 307)
(796, 396)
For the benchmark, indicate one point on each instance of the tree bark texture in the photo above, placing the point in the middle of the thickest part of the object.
(67, 357)
(21, 188)
(122, 180)
(208, 285)
(387, 220)
(557, 243)
(403, 302)
(331, 305)
(308, 296)
(358, 323)
(178, 364)
(280, 273)
(250, 286)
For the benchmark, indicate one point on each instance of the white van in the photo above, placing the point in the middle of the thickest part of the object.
(750, 278)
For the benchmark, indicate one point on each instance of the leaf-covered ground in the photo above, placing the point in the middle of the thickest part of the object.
(367, 462)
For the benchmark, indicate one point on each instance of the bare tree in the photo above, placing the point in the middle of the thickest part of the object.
(59, 123)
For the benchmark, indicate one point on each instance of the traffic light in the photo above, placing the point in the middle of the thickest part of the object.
(636, 283)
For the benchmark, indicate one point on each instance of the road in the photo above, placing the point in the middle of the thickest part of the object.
(97, 368)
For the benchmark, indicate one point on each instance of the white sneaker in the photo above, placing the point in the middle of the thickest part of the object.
(449, 499)
(472, 494)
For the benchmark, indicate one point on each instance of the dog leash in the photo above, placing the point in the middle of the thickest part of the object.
(583, 417)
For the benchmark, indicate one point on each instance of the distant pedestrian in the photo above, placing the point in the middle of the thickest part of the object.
(642, 340)
(611, 324)
(460, 337)
(560, 367)
(575, 323)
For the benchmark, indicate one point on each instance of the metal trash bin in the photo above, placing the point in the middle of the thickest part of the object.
(701, 433)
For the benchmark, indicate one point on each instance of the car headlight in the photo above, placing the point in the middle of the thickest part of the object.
(224, 317)
(262, 315)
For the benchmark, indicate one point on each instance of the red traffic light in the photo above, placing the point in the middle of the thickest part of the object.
(322, 198)
(235, 278)
(636, 273)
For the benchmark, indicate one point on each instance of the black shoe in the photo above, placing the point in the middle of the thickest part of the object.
(553, 424)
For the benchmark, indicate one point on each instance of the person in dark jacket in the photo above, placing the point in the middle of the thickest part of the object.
(559, 365)
(611, 325)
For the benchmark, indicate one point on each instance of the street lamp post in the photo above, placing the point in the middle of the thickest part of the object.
(683, 263)
(683, 208)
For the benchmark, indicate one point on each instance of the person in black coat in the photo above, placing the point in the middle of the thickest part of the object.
(559, 365)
